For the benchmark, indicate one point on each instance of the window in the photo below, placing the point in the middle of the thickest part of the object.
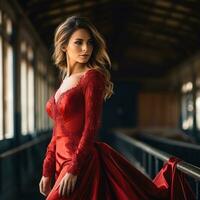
(27, 89)
(1, 81)
(198, 103)
(8, 92)
(187, 106)
(23, 90)
(44, 89)
(0, 17)
(42, 121)
(6, 78)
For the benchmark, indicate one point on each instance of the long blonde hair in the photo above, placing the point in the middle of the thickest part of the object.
(99, 59)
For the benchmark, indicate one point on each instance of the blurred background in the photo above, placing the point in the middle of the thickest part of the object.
(154, 113)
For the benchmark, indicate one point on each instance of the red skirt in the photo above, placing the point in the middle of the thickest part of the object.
(107, 175)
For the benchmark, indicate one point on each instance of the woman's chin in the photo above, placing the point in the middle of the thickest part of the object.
(83, 61)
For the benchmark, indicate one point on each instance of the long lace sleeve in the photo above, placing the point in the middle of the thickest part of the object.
(49, 161)
(93, 94)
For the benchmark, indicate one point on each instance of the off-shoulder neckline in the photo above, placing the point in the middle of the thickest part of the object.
(72, 88)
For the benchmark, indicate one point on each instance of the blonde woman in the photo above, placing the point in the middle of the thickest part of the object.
(83, 168)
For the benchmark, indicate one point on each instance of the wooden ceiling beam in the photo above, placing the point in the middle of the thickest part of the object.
(181, 8)
(163, 30)
(45, 6)
(171, 21)
(105, 16)
(76, 8)
(149, 22)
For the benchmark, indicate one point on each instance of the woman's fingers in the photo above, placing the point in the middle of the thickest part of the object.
(41, 185)
(73, 184)
(60, 188)
(69, 186)
(66, 186)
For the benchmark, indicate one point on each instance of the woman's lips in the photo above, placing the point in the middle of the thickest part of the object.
(84, 56)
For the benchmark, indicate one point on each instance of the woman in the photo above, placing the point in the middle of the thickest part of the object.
(85, 169)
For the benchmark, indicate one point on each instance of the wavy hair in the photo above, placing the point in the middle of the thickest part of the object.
(99, 59)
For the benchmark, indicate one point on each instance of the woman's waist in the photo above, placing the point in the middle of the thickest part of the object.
(66, 148)
(68, 145)
(68, 129)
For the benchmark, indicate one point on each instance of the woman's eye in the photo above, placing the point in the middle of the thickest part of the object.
(90, 42)
(78, 42)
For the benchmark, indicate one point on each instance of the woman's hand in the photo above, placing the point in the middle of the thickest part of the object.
(45, 185)
(67, 184)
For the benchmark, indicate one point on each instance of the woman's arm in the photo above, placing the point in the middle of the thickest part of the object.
(93, 95)
(49, 161)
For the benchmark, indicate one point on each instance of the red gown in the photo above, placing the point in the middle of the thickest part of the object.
(102, 172)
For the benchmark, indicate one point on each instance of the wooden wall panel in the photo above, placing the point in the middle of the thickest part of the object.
(160, 109)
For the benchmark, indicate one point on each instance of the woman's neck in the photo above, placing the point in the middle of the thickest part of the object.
(78, 70)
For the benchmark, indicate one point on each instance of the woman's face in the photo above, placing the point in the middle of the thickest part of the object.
(80, 46)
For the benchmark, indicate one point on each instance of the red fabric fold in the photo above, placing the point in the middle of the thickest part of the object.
(173, 182)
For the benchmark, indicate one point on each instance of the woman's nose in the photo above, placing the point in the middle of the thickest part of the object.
(85, 47)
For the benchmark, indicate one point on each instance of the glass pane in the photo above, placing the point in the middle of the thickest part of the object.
(31, 120)
(198, 82)
(38, 104)
(23, 47)
(8, 95)
(23, 90)
(1, 90)
(187, 87)
(8, 26)
(30, 54)
(198, 110)
(45, 100)
(187, 111)
(42, 104)
(0, 17)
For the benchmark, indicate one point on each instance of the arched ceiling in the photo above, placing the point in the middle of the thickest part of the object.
(145, 38)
